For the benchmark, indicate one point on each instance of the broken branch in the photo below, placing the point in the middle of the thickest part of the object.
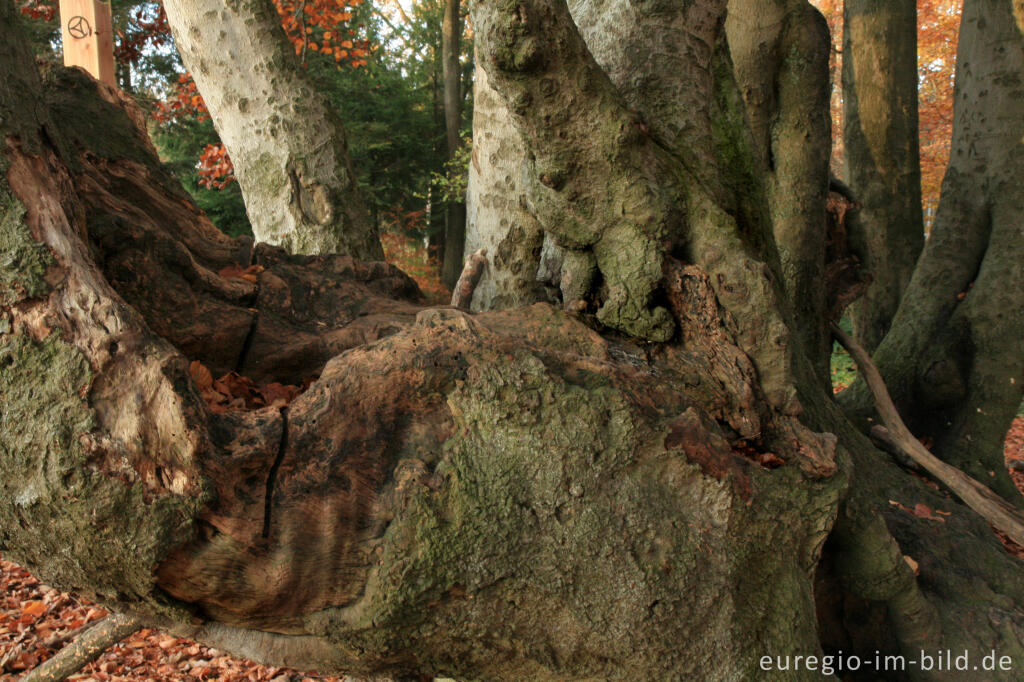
(994, 509)
(84, 650)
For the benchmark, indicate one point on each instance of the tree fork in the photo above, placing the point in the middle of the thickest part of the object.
(951, 359)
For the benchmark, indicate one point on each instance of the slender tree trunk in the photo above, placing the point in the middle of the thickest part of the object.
(882, 158)
(455, 223)
(287, 146)
(953, 358)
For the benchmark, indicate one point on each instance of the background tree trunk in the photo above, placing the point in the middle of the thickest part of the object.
(455, 223)
(882, 155)
(952, 359)
(287, 145)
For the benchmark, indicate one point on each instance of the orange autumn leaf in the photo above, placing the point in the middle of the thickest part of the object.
(200, 375)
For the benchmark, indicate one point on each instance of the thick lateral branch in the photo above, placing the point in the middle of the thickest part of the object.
(976, 496)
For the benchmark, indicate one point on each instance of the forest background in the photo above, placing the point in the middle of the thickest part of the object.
(380, 63)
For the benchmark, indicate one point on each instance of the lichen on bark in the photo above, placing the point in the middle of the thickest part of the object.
(111, 533)
(23, 260)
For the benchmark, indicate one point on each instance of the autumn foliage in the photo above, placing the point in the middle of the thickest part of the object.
(44, 10)
(323, 26)
(938, 30)
(312, 26)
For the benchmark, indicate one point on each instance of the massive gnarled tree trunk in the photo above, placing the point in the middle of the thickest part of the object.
(953, 358)
(505, 495)
(286, 143)
(882, 156)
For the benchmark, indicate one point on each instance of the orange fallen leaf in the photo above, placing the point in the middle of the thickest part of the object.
(33, 608)
(200, 375)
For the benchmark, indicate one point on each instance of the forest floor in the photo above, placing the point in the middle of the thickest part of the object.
(36, 620)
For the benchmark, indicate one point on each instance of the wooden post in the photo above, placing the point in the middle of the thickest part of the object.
(87, 33)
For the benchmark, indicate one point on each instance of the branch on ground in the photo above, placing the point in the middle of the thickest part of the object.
(990, 506)
(84, 650)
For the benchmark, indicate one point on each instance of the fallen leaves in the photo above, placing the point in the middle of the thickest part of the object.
(250, 274)
(236, 392)
(1013, 451)
(922, 511)
(32, 616)
(37, 620)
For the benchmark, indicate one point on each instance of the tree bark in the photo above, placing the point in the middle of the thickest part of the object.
(505, 495)
(286, 143)
(497, 219)
(952, 359)
(455, 223)
(781, 50)
(882, 157)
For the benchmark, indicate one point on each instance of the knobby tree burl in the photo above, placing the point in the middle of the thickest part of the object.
(647, 479)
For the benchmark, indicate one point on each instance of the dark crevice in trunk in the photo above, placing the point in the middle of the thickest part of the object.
(243, 355)
(850, 627)
(268, 499)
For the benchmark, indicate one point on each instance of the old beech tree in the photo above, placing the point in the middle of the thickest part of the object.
(626, 463)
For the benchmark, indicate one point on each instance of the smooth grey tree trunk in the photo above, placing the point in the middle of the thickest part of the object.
(497, 218)
(287, 145)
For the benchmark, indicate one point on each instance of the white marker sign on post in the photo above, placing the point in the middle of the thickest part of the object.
(86, 31)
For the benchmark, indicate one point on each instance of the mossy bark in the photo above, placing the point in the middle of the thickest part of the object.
(287, 145)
